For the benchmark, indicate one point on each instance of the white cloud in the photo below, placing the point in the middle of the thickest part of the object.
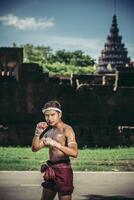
(27, 23)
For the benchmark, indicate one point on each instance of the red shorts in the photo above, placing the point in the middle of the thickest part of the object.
(63, 181)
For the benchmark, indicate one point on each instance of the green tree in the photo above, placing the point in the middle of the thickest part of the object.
(76, 58)
(28, 52)
(61, 62)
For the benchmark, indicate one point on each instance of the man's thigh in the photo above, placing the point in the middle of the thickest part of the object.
(48, 194)
(64, 197)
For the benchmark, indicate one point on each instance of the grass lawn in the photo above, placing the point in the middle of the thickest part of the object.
(110, 159)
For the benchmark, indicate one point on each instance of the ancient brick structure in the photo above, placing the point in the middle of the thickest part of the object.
(10, 61)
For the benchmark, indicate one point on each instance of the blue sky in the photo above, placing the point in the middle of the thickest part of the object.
(66, 24)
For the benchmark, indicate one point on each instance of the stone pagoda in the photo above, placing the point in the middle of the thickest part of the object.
(114, 53)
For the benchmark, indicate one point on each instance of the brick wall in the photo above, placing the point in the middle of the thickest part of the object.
(94, 111)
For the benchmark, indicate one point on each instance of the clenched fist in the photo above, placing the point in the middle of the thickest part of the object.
(50, 142)
(40, 127)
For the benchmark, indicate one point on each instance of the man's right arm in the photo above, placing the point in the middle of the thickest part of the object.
(37, 143)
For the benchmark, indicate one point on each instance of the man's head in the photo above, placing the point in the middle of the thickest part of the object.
(52, 112)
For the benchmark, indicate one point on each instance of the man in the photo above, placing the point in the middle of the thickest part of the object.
(60, 139)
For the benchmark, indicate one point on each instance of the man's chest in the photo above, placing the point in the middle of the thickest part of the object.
(57, 135)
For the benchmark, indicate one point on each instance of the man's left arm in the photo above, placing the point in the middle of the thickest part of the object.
(72, 148)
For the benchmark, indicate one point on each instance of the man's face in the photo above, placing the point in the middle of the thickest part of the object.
(52, 117)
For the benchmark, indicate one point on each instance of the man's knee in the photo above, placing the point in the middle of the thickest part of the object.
(64, 197)
(48, 194)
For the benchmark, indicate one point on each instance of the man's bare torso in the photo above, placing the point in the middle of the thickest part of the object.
(59, 135)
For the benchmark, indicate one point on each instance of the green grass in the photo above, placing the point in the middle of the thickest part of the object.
(116, 159)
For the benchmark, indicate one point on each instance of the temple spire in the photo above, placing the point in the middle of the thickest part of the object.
(114, 52)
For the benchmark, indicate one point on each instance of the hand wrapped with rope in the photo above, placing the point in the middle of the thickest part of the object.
(41, 126)
(50, 142)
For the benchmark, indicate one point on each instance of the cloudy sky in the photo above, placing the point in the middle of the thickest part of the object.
(66, 24)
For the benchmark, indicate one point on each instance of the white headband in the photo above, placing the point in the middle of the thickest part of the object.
(51, 108)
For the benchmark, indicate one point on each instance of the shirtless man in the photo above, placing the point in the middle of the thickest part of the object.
(60, 138)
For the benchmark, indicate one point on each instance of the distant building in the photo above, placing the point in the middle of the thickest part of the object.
(10, 61)
(11, 65)
(114, 53)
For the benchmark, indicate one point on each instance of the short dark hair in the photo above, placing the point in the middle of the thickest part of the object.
(53, 103)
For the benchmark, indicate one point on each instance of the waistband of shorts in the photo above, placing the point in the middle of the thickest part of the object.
(49, 162)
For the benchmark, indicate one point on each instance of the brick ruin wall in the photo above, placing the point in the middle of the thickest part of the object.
(99, 115)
